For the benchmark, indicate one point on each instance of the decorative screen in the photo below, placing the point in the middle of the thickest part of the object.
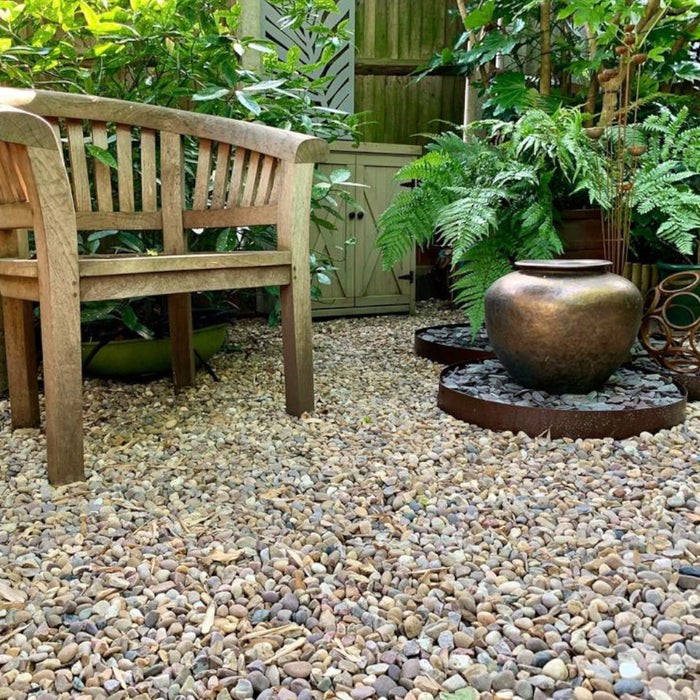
(340, 92)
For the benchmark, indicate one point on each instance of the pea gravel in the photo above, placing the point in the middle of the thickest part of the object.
(377, 549)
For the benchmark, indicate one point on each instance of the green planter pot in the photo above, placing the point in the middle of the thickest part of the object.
(132, 358)
(686, 309)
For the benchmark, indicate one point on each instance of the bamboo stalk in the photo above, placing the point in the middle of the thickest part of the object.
(637, 275)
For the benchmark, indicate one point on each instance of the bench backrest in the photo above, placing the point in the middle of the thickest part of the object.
(234, 171)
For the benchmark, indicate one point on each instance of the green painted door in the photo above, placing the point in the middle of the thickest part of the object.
(359, 284)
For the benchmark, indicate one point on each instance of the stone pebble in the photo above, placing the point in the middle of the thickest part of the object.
(221, 548)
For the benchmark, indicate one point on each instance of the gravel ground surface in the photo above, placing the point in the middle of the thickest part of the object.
(379, 549)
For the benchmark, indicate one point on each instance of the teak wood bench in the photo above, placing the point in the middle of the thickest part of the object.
(245, 174)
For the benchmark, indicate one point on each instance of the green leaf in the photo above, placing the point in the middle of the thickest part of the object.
(210, 93)
(264, 85)
(99, 235)
(262, 48)
(97, 310)
(328, 225)
(131, 241)
(249, 103)
(509, 91)
(339, 176)
(131, 321)
(226, 241)
(481, 16)
(101, 154)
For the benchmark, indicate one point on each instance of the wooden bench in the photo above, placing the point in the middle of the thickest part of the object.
(245, 174)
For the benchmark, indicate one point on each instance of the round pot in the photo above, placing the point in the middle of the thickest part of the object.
(132, 358)
(563, 326)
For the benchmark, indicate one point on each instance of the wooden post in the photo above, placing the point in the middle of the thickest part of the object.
(19, 355)
(251, 25)
(3, 362)
(293, 235)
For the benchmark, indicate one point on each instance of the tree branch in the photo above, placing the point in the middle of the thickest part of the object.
(682, 41)
(592, 96)
(649, 12)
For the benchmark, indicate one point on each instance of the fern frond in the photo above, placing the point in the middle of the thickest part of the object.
(474, 274)
(469, 219)
(410, 218)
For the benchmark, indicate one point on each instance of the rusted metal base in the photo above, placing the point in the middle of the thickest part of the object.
(557, 423)
(448, 354)
(690, 382)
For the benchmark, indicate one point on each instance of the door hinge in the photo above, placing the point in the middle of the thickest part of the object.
(410, 277)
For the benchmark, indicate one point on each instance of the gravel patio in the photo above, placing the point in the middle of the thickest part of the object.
(378, 549)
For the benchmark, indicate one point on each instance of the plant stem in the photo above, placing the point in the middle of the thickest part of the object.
(546, 61)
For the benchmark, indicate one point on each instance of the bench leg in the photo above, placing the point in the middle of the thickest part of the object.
(181, 342)
(295, 298)
(20, 348)
(298, 348)
(63, 389)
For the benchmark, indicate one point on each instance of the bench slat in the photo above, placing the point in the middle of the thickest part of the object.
(125, 170)
(153, 220)
(221, 176)
(203, 176)
(237, 173)
(180, 283)
(78, 165)
(251, 179)
(103, 175)
(149, 186)
(267, 175)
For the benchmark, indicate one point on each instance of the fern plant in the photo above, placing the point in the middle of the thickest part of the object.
(488, 199)
(666, 193)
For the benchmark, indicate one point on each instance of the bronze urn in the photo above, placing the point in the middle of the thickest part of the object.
(562, 326)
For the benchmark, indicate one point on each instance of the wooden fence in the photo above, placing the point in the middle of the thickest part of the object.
(394, 37)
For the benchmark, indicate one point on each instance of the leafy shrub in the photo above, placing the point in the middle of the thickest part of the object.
(188, 54)
(501, 48)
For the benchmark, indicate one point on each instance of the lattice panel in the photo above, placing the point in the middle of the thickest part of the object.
(340, 92)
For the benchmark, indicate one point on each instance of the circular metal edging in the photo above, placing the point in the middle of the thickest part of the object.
(689, 382)
(448, 354)
(558, 423)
